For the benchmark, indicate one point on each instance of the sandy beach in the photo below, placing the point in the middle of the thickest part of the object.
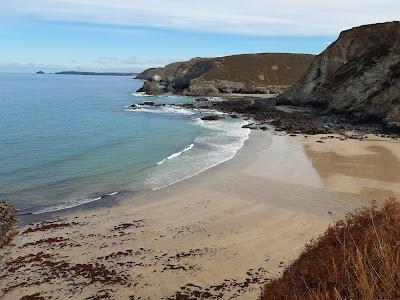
(218, 235)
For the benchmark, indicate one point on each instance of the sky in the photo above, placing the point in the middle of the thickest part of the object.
(132, 35)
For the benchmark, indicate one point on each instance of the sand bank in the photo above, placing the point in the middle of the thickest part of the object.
(218, 235)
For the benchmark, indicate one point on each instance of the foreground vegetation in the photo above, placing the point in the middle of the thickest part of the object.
(358, 258)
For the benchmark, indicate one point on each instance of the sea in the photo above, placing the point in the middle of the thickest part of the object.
(70, 140)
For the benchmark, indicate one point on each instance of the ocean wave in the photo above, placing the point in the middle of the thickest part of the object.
(215, 99)
(219, 145)
(167, 109)
(161, 162)
(141, 94)
(175, 155)
(71, 204)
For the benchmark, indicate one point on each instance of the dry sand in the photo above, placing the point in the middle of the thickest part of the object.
(218, 235)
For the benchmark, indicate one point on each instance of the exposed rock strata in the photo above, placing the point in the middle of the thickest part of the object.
(357, 76)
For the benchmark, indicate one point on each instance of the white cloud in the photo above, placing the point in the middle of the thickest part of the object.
(259, 17)
(116, 61)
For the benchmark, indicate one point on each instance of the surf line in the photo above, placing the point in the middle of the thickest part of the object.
(175, 155)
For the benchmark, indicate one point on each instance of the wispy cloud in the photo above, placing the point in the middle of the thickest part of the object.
(100, 64)
(134, 62)
(30, 67)
(258, 17)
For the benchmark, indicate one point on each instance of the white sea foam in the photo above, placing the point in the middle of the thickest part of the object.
(66, 205)
(167, 109)
(175, 155)
(161, 162)
(71, 204)
(190, 147)
(215, 99)
(217, 146)
(141, 94)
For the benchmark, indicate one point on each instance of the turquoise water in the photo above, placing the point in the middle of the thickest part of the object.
(67, 140)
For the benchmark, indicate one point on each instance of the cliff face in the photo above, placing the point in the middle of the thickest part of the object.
(358, 75)
(252, 73)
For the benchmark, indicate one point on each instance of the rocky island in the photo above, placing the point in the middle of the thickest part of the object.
(95, 73)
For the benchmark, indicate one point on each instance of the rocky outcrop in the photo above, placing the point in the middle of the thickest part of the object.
(246, 74)
(358, 76)
(7, 223)
(148, 74)
(153, 88)
(212, 118)
(215, 87)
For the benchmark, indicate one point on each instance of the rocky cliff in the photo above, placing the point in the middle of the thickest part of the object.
(358, 75)
(248, 73)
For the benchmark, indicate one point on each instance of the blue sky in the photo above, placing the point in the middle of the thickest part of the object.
(130, 35)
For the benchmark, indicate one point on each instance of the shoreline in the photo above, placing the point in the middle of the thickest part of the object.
(109, 199)
(221, 233)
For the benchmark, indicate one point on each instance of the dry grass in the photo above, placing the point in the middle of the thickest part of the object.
(358, 258)
(279, 69)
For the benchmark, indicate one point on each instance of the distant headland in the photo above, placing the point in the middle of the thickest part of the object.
(96, 73)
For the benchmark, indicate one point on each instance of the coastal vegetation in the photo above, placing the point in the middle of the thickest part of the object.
(261, 73)
(7, 223)
(356, 258)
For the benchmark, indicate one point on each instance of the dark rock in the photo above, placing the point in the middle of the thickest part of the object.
(245, 105)
(234, 116)
(7, 223)
(148, 103)
(153, 88)
(212, 118)
(40, 72)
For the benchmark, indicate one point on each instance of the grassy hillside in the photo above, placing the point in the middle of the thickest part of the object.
(245, 73)
(358, 258)
(260, 69)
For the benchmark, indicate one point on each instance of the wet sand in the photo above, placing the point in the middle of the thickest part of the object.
(369, 167)
(218, 235)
